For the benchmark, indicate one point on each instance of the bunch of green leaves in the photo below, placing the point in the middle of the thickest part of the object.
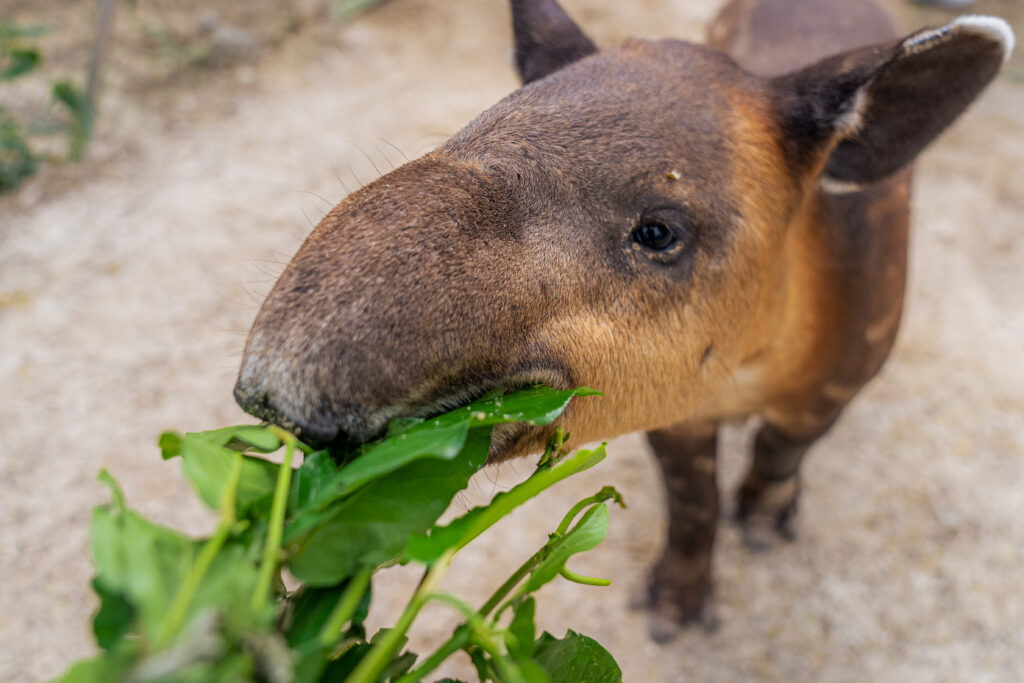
(216, 609)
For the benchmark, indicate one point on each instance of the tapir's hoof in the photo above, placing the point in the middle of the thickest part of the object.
(671, 611)
(664, 629)
(767, 512)
(761, 533)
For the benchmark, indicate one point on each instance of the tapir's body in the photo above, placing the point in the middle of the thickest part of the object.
(825, 329)
(703, 233)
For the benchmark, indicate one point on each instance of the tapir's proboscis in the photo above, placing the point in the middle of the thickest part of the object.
(702, 233)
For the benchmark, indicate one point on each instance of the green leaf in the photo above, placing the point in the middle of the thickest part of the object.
(427, 548)
(146, 564)
(80, 109)
(426, 439)
(535, 405)
(229, 584)
(338, 669)
(587, 534)
(399, 665)
(483, 668)
(17, 161)
(343, 9)
(170, 445)
(442, 437)
(398, 425)
(114, 618)
(314, 481)
(374, 524)
(9, 31)
(243, 438)
(207, 467)
(410, 440)
(532, 672)
(71, 96)
(311, 608)
(576, 658)
(101, 669)
(142, 561)
(524, 630)
(21, 61)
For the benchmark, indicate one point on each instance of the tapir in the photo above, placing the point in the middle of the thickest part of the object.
(701, 232)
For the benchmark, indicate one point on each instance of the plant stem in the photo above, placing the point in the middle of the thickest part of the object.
(462, 531)
(461, 638)
(273, 546)
(514, 580)
(381, 654)
(563, 528)
(570, 575)
(346, 607)
(179, 606)
(458, 641)
(607, 493)
(484, 637)
(475, 630)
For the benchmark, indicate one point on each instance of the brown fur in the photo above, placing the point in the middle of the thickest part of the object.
(510, 256)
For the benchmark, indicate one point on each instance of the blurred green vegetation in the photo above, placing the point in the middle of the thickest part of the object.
(19, 57)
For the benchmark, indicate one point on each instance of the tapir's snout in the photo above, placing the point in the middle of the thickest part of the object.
(326, 391)
(318, 427)
(400, 304)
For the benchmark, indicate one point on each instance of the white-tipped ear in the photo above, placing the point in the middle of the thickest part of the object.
(993, 27)
(876, 108)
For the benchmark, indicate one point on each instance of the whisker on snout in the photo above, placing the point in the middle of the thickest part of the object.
(384, 156)
(329, 203)
(337, 175)
(394, 147)
(368, 157)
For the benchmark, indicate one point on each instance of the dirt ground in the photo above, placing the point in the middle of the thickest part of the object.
(127, 284)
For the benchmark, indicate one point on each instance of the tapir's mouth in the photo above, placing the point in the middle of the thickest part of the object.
(346, 430)
(505, 437)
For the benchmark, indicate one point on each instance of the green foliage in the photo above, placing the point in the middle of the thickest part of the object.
(80, 112)
(174, 608)
(342, 9)
(17, 160)
(20, 61)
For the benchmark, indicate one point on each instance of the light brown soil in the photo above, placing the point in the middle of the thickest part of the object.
(127, 284)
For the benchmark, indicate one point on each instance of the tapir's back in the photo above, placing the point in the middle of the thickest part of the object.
(772, 37)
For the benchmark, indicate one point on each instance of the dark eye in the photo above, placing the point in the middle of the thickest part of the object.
(654, 235)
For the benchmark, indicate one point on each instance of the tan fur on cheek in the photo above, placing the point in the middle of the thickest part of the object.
(648, 365)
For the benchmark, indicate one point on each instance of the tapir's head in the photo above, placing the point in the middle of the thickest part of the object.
(615, 223)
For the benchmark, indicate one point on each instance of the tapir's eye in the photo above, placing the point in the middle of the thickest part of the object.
(654, 235)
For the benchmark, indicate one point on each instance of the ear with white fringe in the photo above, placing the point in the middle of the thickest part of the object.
(867, 113)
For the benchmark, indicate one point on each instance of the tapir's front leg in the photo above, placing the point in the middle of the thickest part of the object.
(766, 502)
(680, 583)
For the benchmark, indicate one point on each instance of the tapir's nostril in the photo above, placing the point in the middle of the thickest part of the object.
(315, 430)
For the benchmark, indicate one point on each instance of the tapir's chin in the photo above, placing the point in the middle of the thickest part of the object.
(509, 441)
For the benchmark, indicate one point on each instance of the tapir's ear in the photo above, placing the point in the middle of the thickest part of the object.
(876, 108)
(546, 38)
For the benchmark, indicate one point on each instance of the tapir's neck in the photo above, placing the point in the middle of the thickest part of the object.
(832, 306)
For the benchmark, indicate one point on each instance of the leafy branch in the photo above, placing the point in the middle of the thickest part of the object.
(173, 608)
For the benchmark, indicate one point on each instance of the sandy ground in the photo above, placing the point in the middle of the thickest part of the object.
(126, 288)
